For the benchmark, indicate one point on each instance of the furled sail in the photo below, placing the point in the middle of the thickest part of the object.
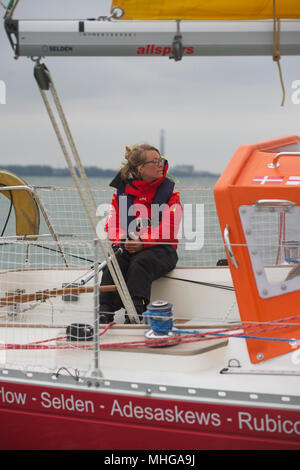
(207, 10)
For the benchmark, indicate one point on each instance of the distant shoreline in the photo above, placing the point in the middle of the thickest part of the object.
(91, 171)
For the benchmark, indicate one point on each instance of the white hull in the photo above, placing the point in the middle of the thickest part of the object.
(197, 306)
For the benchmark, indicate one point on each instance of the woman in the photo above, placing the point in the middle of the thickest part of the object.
(144, 220)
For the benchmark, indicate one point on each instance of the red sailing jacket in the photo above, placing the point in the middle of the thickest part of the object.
(143, 194)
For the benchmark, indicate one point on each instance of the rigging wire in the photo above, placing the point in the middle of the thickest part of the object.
(190, 337)
(45, 82)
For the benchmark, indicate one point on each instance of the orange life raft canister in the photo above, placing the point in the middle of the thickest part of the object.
(258, 204)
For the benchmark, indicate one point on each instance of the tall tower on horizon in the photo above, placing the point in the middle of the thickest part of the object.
(162, 142)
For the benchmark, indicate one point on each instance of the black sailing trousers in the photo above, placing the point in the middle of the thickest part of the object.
(139, 271)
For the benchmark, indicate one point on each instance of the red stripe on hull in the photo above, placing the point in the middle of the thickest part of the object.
(35, 417)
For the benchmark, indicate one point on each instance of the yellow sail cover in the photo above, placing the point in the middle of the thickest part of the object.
(207, 9)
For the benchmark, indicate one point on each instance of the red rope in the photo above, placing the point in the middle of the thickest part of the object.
(188, 338)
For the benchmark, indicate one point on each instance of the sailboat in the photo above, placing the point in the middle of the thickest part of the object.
(225, 373)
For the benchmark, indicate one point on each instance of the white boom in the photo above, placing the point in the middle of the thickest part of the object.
(150, 39)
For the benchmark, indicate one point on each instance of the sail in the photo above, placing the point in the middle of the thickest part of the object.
(207, 10)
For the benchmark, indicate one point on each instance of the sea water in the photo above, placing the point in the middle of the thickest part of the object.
(200, 239)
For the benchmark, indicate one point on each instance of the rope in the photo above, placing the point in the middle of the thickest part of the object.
(75, 376)
(71, 143)
(11, 8)
(9, 212)
(187, 336)
(276, 48)
(65, 152)
(207, 284)
(281, 236)
(112, 262)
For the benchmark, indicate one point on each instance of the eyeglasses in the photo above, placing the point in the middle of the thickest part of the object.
(156, 161)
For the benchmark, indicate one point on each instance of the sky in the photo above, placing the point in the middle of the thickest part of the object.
(207, 106)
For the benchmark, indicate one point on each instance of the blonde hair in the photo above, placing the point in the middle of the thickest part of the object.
(134, 157)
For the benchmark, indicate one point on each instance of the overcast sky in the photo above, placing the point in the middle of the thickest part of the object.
(207, 106)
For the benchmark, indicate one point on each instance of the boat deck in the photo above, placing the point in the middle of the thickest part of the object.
(220, 363)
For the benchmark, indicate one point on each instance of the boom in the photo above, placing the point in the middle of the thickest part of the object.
(150, 39)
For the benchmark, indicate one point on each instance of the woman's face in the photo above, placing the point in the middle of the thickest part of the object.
(152, 168)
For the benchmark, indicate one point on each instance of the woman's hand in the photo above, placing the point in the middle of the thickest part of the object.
(133, 245)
